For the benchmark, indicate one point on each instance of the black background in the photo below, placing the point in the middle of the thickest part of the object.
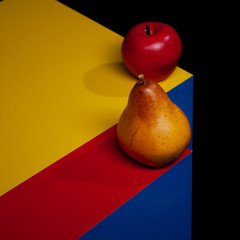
(204, 32)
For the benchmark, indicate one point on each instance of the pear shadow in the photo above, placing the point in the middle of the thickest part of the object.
(86, 165)
(111, 79)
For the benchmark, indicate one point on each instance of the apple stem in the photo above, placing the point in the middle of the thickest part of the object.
(148, 30)
(141, 77)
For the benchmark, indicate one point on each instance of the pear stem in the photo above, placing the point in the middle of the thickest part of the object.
(141, 77)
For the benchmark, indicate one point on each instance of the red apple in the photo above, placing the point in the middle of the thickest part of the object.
(152, 49)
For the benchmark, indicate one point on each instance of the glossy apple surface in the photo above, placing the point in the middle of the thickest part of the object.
(152, 49)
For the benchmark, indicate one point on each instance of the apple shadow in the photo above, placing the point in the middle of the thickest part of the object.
(100, 80)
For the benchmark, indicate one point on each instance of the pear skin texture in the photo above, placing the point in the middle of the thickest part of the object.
(152, 129)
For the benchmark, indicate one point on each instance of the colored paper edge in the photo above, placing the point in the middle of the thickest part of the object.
(162, 210)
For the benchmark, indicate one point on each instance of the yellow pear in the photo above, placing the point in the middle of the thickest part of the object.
(152, 129)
